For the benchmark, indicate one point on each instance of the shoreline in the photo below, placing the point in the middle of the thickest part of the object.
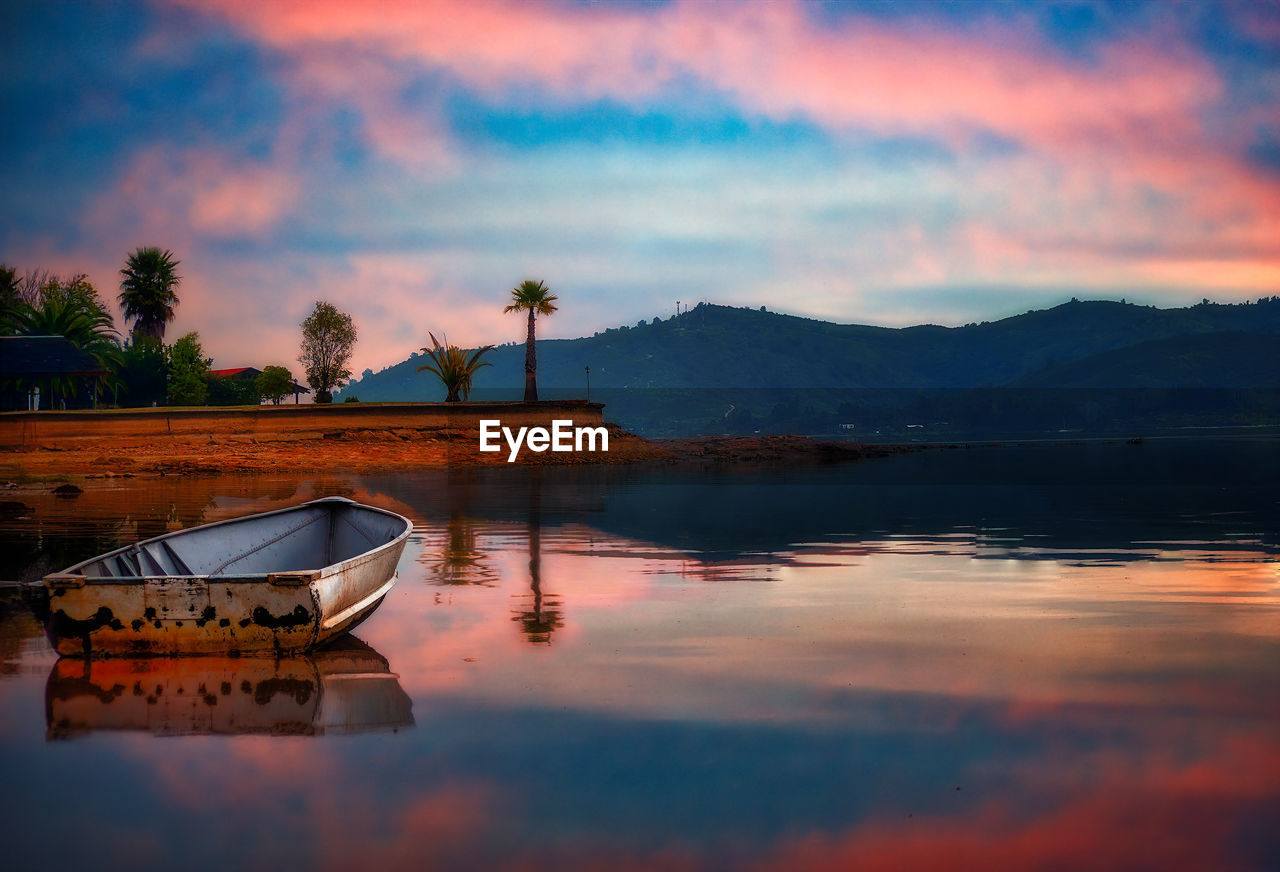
(360, 450)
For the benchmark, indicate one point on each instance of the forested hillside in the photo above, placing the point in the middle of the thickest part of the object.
(718, 364)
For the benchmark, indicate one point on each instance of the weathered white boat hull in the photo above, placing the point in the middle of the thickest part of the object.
(97, 610)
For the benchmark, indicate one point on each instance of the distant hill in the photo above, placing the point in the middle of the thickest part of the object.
(724, 347)
(1210, 360)
(691, 370)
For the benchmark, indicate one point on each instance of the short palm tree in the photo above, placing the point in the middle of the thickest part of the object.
(454, 367)
(148, 285)
(537, 298)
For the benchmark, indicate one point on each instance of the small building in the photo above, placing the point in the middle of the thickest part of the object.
(36, 370)
(250, 374)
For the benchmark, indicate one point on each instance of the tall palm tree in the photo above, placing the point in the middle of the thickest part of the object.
(537, 298)
(148, 295)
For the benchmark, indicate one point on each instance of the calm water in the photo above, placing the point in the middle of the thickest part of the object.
(1046, 658)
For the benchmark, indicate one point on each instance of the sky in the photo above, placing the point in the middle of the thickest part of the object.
(882, 162)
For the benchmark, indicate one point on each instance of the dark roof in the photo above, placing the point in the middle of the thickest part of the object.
(34, 356)
(249, 372)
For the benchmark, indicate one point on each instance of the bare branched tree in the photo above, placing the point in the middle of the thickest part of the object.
(32, 284)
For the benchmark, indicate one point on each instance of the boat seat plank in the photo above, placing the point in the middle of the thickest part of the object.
(128, 566)
(148, 563)
(179, 565)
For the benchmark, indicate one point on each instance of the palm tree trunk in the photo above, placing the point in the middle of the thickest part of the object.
(530, 366)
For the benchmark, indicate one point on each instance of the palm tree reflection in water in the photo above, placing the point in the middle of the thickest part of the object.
(545, 617)
(460, 560)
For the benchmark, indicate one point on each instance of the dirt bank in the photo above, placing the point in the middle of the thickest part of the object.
(350, 450)
(364, 450)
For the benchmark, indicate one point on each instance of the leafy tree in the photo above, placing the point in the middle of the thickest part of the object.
(275, 383)
(188, 381)
(233, 392)
(77, 292)
(454, 367)
(37, 288)
(81, 324)
(537, 299)
(148, 291)
(142, 373)
(9, 296)
(327, 338)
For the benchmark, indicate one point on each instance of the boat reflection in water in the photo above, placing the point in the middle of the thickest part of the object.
(345, 687)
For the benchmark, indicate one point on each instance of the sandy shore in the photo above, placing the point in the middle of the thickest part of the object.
(377, 450)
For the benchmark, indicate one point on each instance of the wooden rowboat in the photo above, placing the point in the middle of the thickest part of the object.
(283, 581)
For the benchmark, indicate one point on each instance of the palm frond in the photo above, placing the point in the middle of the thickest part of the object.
(148, 286)
(531, 294)
(454, 366)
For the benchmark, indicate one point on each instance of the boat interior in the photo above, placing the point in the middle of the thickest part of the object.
(309, 537)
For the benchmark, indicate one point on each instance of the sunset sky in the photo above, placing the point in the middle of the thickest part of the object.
(878, 162)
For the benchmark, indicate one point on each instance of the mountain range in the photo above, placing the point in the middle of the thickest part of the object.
(713, 362)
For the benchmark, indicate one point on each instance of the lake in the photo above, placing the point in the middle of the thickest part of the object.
(1038, 657)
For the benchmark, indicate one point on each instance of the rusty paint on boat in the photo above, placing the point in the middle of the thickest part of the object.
(283, 581)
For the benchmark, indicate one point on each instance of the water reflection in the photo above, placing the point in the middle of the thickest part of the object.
(459, 560)
(20, 628)
(1010, 501)
(1006, 660)
(345, 687)
(537, 618)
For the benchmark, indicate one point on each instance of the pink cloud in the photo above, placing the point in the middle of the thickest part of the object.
(492, 44)
(399, 298)
(1150, 815)
(411, 135)
(1124, 123)
(202, 191)
(1259, 20)
(773, 59)
(439, 828)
